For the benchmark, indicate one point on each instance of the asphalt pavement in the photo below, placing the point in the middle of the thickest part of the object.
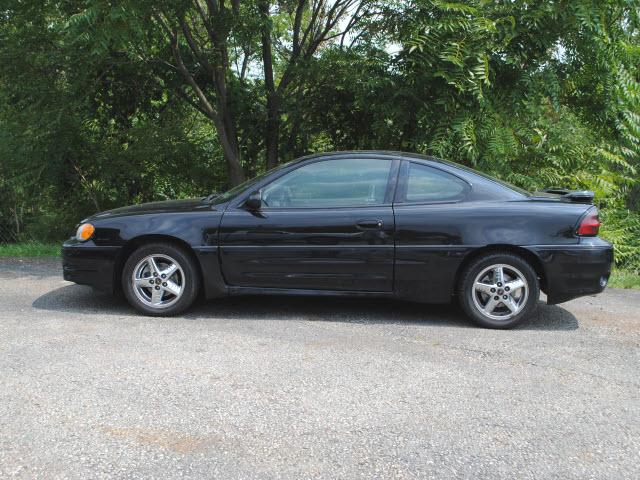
(275, 387)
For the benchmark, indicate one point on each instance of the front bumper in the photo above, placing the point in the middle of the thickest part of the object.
(574, 271)
(86, 263)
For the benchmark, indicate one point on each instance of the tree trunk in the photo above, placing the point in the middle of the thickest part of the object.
(229, 143)
(222, 115)
(272, 130)
(272, 133)
(225, 123)
(17, 219)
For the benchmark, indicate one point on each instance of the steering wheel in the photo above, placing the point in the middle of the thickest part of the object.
(286, 197)
(281, 196)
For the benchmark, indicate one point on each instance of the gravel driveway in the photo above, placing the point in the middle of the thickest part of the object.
(311, 388)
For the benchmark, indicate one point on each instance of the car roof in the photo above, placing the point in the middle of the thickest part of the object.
(390, 153)
(461, 169)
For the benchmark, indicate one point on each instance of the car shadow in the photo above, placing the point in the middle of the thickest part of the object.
(82, 300)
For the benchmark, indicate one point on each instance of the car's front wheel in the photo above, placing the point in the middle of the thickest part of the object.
(499, 290)
(160, 279)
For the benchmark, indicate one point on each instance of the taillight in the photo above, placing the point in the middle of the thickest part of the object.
(589, 225)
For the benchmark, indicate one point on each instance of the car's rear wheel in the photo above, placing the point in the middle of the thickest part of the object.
(499, 290)
(160, 279)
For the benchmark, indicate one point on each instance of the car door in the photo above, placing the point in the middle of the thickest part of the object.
(431, 217)
(327, 224)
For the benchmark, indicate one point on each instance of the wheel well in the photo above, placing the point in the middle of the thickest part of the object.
(528, 255)
(133, 244)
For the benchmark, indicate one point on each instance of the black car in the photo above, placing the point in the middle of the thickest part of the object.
(382, 224)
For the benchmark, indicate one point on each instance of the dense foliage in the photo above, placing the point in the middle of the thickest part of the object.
(109, 102)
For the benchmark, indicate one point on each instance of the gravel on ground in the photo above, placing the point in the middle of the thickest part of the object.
(274, 387)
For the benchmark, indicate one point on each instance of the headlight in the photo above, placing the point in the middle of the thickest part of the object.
(85, 231)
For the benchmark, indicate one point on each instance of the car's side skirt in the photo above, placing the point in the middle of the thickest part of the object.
(235, 291)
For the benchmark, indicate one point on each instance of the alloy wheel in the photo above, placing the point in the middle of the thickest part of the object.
(158, 281)
(500, 292)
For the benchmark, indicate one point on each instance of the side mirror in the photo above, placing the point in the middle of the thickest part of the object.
(254, 201)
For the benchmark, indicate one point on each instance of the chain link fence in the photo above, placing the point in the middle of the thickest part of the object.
(8, 234)
(22, 244)
(27, 223)
(17, 238)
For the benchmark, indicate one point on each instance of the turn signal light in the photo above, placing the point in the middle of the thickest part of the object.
(590, 224)
(85, 231)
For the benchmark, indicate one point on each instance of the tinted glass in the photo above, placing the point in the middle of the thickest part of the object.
(488, 177)
(331, 183)
(229, 194)
(426, 184)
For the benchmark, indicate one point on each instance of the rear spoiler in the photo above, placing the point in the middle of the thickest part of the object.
(574, 196)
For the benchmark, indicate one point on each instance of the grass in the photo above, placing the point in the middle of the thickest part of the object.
(619, 278)
(624, 279)
(30, 249)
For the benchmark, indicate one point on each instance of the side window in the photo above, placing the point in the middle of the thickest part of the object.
(330, 183)
(426, 184)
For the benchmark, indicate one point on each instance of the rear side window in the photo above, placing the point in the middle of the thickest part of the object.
(427, 184)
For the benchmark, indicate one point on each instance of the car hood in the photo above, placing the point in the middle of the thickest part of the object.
(169, 206)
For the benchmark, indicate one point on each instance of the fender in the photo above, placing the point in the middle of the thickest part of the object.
(196, 230)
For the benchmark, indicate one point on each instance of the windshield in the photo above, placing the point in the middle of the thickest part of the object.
(229, 194)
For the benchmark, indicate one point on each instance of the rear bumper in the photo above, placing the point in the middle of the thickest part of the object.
(574, 271)
(89, 264)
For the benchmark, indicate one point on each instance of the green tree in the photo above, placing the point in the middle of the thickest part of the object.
(104, 103)
(205, 50)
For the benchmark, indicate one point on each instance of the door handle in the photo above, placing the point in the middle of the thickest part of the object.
(370, 224)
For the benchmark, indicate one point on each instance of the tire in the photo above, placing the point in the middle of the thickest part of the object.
(152, 294)
(492, 303)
